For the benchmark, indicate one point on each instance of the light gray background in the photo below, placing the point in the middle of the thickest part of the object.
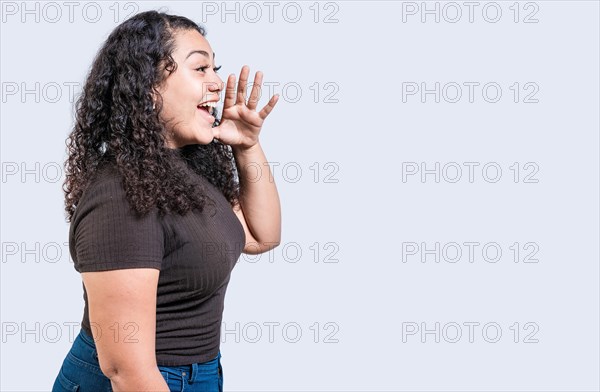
(373, 291)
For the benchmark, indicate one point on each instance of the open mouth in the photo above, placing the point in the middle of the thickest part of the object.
(207, 111)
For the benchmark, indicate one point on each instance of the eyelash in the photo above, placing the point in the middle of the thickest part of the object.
(215, 68)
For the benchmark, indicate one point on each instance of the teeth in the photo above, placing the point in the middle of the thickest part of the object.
(210, 106)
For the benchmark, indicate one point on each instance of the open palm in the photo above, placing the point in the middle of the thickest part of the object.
(241, 123)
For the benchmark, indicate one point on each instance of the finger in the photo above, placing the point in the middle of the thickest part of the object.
(229, 92)
(241, 92)
(255, 93)
(269, 106)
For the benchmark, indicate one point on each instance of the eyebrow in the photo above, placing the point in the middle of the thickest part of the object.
(202, 52)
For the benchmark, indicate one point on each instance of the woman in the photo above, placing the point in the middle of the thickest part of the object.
(158, 220)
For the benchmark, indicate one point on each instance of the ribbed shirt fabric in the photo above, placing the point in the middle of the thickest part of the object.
(195, 254)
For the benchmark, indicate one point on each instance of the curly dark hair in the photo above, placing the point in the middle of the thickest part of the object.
(115, 121)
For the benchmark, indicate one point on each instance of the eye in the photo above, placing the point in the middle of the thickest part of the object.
(216, 69)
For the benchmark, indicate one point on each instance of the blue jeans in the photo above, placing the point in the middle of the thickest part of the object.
(80, 372)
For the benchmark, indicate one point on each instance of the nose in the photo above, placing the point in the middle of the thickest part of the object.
(216, 85)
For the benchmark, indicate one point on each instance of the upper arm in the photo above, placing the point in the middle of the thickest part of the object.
(252, 246)
(122, 312)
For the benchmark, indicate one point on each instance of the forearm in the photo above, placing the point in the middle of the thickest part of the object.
(147, 380)
(259, 198)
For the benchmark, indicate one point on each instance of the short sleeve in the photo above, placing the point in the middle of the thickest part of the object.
(106, 234)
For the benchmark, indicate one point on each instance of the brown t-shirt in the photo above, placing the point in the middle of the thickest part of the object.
(195, 254)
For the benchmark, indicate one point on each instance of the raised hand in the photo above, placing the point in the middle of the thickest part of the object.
(241, 123)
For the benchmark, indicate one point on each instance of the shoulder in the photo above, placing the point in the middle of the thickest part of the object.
(107, 174)
(105, 183)
(104, 197)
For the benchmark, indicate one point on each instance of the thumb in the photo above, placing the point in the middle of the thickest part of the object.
(216, 132)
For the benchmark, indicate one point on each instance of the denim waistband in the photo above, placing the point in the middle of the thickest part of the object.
(199, 367)
(87, 338)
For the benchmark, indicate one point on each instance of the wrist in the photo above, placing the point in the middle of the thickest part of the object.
(239, 149)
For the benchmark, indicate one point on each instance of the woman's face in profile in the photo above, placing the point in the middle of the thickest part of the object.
(194, 82)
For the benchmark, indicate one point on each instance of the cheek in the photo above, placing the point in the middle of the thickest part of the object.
(184, 92)
(176, 106)
(181, 99)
